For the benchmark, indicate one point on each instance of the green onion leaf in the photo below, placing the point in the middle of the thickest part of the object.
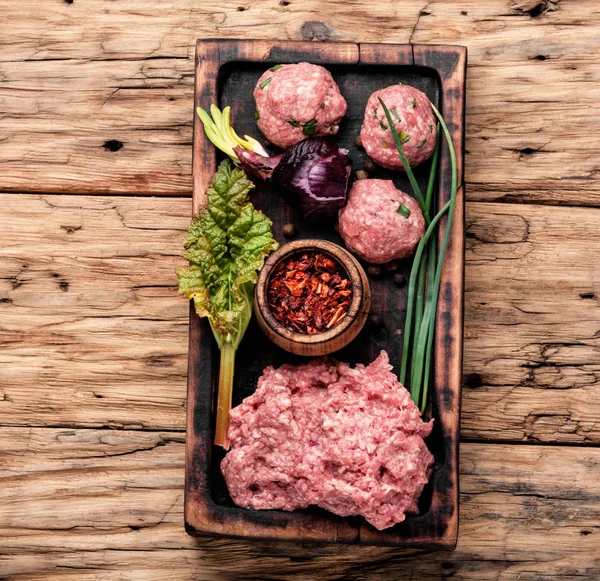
(256, 116)
(309, 127)
(411, 176)
(294, 123)
(431, 129)
(421, 143)
(395, 114)
(265, 83)
(275, 68)
(405, 137)
(414, 102)
(402, 209)
(383, 125)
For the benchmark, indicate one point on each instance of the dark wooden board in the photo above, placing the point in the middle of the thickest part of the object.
(226, 73)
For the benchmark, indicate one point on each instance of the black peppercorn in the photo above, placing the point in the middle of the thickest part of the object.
(399, 279)
(288, 230)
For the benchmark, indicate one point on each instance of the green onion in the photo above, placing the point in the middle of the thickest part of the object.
(421, 143)
(383, 125)
(411, 290)
(414, 102)
(423, 308)
(265, 83)
(395, 114)
(402, 209)
(294, 123)
(429, 255)
(275, 68)
(423, 350)
(256, 116)
(405, 164)
(404, 137)
(309, 127)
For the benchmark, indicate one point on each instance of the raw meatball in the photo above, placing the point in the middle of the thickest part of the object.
(296, 101)
(413, 119)
(371, 225)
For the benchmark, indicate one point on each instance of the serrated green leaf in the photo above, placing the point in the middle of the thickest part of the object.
(226, 245)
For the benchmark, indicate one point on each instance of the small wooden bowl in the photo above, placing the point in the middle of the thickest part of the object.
(340, 334)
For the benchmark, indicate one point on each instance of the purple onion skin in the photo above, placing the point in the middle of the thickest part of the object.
(256, 165)
(313, 177)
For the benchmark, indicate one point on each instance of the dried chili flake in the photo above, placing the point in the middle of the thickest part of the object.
(309, 293)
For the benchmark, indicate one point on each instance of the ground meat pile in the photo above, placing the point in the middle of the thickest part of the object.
(372, 226)
(296, 101)
(348, 440)
(413, 119)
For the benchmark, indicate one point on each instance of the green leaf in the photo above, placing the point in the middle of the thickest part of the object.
(225, 246)
(404, 210)
(309, 127)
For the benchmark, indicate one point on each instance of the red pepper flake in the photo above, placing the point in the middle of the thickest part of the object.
(309, 293)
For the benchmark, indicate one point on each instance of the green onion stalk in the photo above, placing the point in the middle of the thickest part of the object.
(426, 272)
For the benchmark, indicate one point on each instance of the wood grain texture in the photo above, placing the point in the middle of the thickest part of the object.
(519, 518)
(76, 76)
(104, 342)
(95, 97)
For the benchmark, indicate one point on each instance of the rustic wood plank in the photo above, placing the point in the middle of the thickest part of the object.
(105, 341)
(532, 331)
(92, 328)
(106, 504)
(532, 99)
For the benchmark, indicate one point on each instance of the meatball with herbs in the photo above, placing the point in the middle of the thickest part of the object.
(413, 119)
(296, 101)
(380, 223)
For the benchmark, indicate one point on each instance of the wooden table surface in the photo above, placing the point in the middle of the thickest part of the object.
(95, 150)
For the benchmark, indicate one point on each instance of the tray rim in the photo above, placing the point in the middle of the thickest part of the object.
(202, 515)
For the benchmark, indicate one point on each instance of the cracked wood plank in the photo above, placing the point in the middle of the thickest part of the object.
(532, 324)
(93, 333)
(104, 504)
(77, 77)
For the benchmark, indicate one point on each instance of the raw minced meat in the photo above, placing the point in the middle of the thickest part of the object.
(413, 119)
(371, 225)
(296, 101)
(349, 440)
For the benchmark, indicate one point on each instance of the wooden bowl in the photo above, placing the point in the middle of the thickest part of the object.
(340, 334)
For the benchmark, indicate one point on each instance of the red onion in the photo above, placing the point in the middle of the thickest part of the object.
(312, 175)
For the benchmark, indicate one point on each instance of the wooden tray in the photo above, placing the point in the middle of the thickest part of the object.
(226, 73)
